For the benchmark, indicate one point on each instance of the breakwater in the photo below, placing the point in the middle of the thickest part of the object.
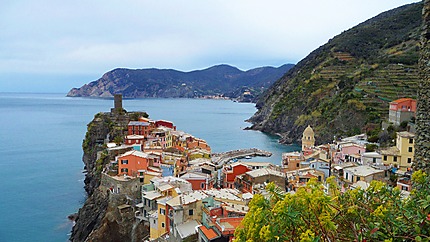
(219, 159)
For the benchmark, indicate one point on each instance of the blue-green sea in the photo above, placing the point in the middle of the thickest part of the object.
(41, 157)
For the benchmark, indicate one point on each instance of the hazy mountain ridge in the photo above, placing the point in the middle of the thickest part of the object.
(346, 84)
(168, 83)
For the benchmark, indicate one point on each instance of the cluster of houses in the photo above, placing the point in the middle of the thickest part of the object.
(179, 193)
(348, 160)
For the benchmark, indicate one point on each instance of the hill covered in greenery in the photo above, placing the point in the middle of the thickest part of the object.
(221, 80)
(344, 87)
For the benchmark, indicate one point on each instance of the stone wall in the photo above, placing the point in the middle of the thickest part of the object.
(422, 141)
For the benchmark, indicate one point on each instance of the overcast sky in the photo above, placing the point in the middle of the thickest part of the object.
(52, 46)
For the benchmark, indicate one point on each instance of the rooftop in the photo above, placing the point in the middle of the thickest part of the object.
(152, 195)
(265, 172)
(209, 233)
(138, 154)
(138, 123)
(406, 134)
(188, 228)
(363, 170)
(390, 151)
(228, 194)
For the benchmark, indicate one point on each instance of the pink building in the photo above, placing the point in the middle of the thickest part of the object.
(349, 152)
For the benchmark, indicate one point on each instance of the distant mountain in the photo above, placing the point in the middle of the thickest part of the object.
(220, 80)
(344, 87)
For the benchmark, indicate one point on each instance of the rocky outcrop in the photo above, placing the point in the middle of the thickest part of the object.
(220, 80)
(99, 218)
(422, 141)
(344, 87)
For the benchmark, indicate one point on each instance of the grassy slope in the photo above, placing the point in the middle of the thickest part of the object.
(346, 84)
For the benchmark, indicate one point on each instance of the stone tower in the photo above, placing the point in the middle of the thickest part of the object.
(308, 139)
(422, 141)
(117, 101)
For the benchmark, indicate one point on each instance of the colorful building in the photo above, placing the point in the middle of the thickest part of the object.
(291, 160)
(230, 172)
(198, 180)
(402, 109)
(140, 128)
(401, 155)
(134, 163)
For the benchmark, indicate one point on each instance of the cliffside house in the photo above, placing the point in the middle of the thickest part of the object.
(135, 163)
(140, 127)
(401, 155)
(402, 109)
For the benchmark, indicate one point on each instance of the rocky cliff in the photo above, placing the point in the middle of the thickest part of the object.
(99, 219)
(217, 80)
(344, 87)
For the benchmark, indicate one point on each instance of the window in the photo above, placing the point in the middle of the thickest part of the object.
(358, 178)
(202, 185)
(124, 161)
(409, 160)
(385, 157)
(395, 158)
(410, 149)
(374, 160)
(162, 211)
(298, 165)
(162, 225)
(124, 169)
(411, 141)
(191, 212)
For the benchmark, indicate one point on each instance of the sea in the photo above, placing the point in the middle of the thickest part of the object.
(41, 169)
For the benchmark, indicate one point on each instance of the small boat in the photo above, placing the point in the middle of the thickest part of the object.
(247, 157)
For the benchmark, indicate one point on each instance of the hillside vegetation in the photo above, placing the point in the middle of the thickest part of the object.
(345, 85)
(378, 213)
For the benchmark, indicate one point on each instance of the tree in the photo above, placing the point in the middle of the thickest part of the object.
(378, 213)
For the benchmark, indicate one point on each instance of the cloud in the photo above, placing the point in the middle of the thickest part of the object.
(87, 37)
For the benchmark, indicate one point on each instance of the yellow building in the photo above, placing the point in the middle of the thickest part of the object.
(308, 139)
(401, 155)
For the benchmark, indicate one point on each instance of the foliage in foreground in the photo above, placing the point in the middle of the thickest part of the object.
(378, 213)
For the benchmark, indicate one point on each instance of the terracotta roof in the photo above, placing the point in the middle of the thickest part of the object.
(209, 233)
(402, 100)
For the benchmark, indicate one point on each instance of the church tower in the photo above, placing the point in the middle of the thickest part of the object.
(308, 139)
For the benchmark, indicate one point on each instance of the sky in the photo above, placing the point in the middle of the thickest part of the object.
(52, 46)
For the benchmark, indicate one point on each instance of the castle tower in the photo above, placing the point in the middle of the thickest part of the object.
(422, 141)
(117, 101)
(308, 139)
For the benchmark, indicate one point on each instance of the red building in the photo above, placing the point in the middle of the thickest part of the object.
(231, 171)
(140, 128)
(199, 181)
(134, 162)
(165, 123)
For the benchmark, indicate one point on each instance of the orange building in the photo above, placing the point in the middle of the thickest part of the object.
(134, 162)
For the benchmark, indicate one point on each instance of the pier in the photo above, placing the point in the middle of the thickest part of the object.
(219, 159)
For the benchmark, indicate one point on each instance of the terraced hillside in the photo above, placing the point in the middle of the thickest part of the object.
(344, 87)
